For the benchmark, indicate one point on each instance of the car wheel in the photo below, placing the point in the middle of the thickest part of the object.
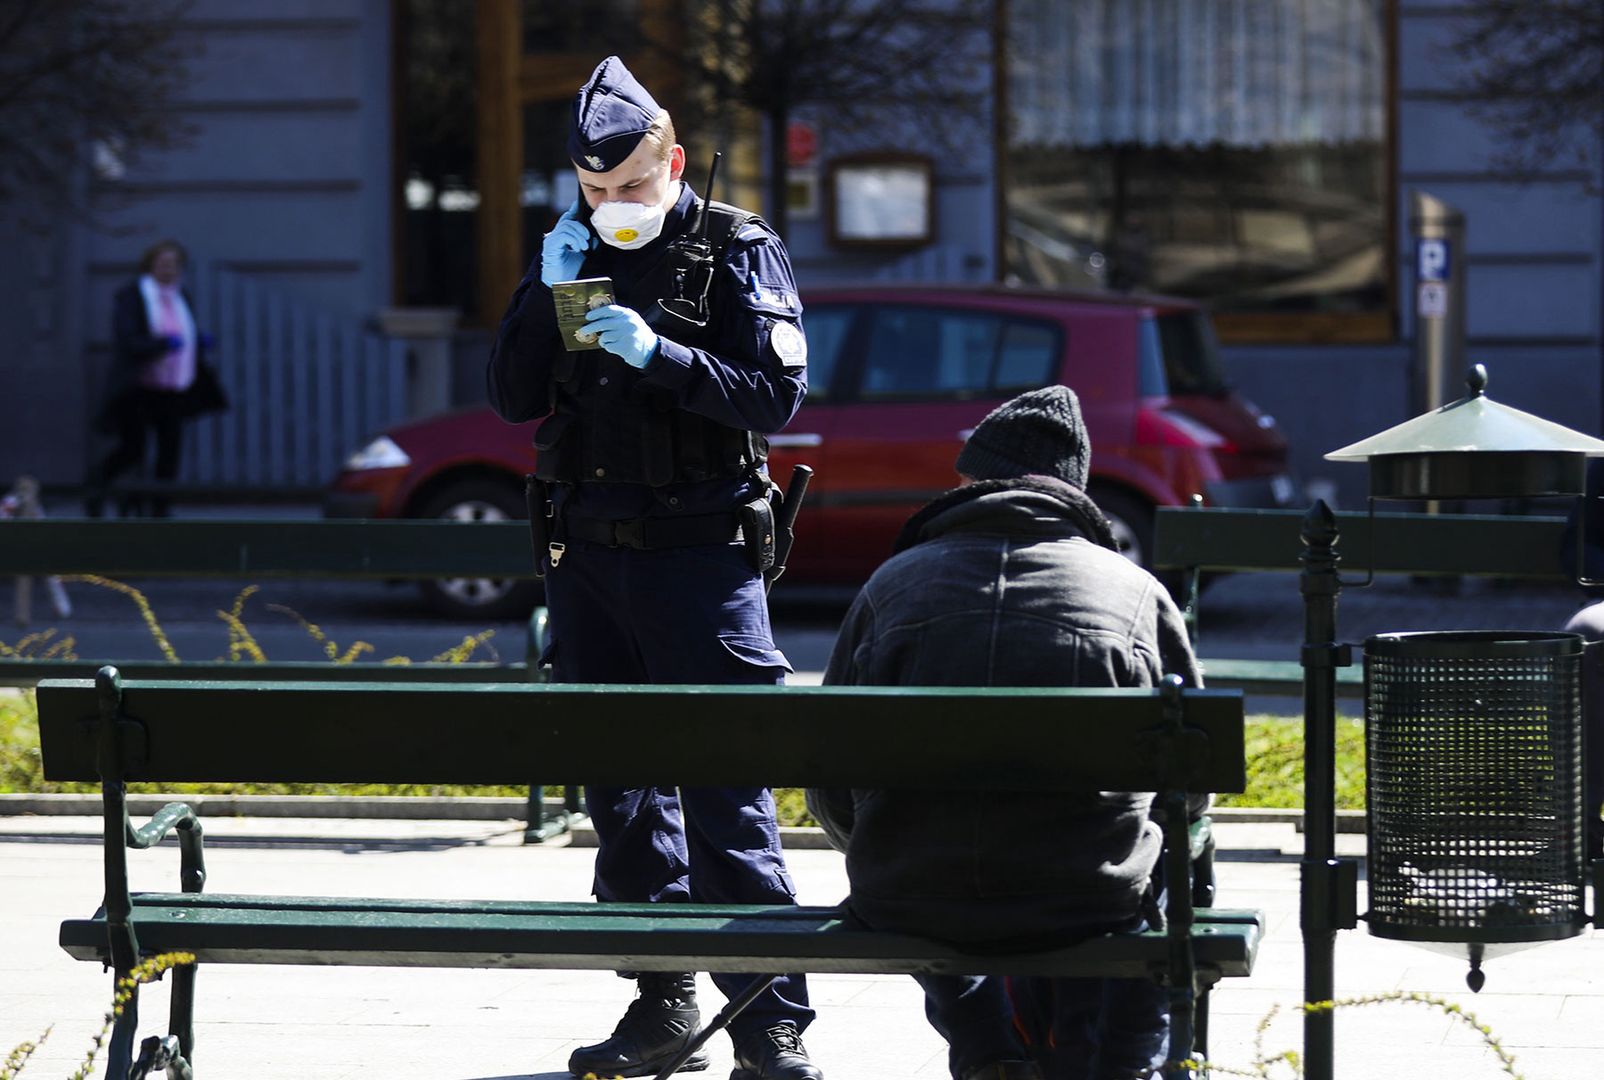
(479, 598)
(1131, 521)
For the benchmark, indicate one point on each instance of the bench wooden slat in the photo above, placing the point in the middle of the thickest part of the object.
(1453, 544)
(258, 549)
(656, 937)
(332, 732)
(27, 671)
(1274, 677)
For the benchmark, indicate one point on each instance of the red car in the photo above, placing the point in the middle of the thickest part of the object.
(898, 377)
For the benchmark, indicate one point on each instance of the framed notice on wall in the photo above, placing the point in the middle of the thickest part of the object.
(880, 199)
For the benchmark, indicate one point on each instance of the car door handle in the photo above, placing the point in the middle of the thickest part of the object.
(797, 439)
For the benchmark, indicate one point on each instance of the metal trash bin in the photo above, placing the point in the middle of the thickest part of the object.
(1473, 754)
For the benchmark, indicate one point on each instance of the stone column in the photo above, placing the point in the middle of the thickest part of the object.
(428, 333)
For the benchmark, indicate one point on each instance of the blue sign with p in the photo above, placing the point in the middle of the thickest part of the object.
(1432, 260)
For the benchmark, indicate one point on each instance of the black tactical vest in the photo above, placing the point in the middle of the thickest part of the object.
(606, 427)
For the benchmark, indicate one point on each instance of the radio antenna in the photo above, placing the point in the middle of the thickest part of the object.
(700, 228)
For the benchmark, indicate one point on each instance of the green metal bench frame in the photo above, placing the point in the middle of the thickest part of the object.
(1173, 741)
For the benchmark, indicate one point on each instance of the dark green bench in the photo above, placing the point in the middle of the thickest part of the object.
(1197, 541)
(117, 730)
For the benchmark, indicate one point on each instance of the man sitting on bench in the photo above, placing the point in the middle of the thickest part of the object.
(1013, 579)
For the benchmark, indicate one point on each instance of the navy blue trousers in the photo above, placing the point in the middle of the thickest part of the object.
(1074, 1029)
(1093, 1029)
(678, 615)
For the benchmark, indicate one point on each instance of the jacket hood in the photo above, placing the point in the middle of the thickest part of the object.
(1027, 504)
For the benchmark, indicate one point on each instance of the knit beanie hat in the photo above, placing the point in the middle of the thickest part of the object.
(1040, 433)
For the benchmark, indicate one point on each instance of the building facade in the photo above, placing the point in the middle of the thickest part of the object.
(353, 157)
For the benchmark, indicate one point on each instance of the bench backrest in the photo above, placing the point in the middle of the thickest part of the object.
(28, 670)
(1456, 544)
(794, 736)
(266, 549)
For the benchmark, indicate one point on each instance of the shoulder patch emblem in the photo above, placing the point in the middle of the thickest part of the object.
(789, 345)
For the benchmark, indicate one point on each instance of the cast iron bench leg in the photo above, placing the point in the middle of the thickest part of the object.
(120, 1054)
(1203, 897)
(181, 1013)
(538, 828)
(161, 1053)
(728, 1013)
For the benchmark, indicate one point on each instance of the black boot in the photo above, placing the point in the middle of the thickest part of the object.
(658, 1024)
(774, 1054)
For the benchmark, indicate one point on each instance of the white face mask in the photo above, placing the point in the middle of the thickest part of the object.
(627, 225)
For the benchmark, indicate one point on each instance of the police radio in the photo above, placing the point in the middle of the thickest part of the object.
(690, 264)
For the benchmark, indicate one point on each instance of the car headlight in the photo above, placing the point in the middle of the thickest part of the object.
(381, 453)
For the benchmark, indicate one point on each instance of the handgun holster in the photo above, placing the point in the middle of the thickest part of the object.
(757, 532)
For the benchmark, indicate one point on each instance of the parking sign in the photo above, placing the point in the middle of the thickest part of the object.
(1432, 260)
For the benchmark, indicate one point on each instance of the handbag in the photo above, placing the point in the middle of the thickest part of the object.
(205, 394)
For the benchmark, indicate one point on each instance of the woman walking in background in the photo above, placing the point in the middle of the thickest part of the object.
(159, 375)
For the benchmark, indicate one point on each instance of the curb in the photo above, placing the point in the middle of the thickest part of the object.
(486, 808)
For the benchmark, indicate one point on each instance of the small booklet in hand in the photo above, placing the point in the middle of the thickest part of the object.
(574, 300)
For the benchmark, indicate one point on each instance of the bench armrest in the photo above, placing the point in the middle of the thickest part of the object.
(117, 740)
(191, 856)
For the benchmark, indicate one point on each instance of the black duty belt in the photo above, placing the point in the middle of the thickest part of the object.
(647, 534)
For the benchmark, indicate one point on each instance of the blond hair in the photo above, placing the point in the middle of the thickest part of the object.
(660, 136)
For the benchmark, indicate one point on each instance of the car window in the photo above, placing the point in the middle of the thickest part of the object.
(1026, 356)
(1188, 353)
(1151, 379)
(928, 352)
(826, 328)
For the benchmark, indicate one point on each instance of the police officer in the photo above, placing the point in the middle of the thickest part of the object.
(651, 505)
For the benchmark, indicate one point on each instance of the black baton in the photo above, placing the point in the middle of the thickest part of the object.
(538, 500)
(785, 527)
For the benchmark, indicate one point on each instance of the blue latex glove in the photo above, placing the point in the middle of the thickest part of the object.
(172, 342)
(624, 334)
(562, 252)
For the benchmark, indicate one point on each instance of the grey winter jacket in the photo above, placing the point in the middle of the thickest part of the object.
(1005, 583)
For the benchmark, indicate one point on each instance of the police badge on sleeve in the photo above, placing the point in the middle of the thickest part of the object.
(789, 344)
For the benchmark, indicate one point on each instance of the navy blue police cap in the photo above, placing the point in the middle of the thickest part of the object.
(611, 113)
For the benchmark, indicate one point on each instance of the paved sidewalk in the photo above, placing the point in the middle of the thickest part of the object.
(1546, 1004)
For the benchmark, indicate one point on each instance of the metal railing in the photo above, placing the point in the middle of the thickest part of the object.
(305, 386)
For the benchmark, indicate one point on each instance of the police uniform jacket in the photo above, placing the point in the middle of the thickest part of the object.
(625, 443)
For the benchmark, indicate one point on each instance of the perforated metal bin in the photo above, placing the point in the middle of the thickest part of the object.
(1473, 751)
